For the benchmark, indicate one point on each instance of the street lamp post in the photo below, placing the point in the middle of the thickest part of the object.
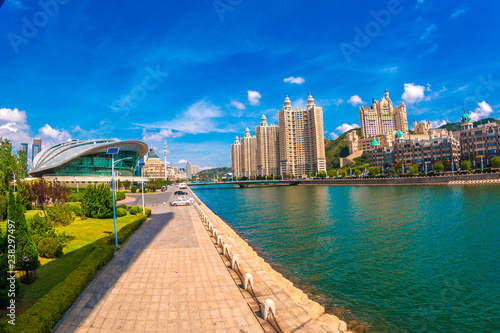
(112, 152)
(142, 186)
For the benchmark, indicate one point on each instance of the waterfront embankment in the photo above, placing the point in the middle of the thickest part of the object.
(472, 179)
(294, 310)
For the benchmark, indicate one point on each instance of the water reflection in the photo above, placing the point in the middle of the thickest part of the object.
(400, 258)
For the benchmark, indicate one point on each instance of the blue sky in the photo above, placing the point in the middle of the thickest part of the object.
(197, 73)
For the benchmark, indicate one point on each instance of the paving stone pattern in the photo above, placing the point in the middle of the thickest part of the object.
(168, 277)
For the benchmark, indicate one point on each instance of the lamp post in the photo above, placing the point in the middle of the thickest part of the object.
(113, 152)
(142, 186)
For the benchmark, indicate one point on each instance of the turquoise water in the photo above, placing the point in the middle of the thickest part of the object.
(401, 259)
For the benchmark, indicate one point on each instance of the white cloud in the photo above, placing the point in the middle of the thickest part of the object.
(77, 129)
(201, 117)
(14, 115)
(299, 103)
(393, 69)
(182, 162)
(438, 123)
(414, 93)
(160, 136)
(346, 127)
(426, 35)
(333, 135)
(238, 105)
(459, 11)
(483, 111)
(338, 101)
(461, 88)
(296, 80)
(355, 100)
(51, 136)
(254, 97)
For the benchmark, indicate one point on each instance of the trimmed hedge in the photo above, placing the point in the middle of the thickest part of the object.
(121, 212)
(49, 309)
(134, 210)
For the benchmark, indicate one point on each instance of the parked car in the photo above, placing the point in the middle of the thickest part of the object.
(180, 202)
(191, 200)
(163, 188)
(180, 193)
(182, 186)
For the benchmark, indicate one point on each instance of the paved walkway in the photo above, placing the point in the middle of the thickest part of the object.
(167, 278)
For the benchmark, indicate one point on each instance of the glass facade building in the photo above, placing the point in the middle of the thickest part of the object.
(88, 158)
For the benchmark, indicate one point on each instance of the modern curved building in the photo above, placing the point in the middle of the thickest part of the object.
(88, 158)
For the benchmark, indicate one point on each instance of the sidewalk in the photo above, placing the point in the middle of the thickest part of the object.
(167, 278)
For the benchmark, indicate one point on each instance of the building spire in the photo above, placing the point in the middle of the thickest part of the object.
(310, 99)
(287, 101)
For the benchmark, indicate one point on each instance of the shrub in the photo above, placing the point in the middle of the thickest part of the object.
(75, 208)
(439, 167)
(135, 210)
(3, 207)
(97, 202)
(122, 206)
(133, 189)
(60, 215)
(39, 225)
(120, 196)
(49, 247)
(465, 165)
(36, 239)
(121, 212)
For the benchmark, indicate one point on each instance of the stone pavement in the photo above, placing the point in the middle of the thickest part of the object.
(168, 277)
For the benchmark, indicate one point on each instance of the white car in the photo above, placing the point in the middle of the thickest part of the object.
(182, 186)
(191, 200)
(180, 202)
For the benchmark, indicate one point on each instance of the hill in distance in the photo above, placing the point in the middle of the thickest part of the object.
(212, 173)
(455, 127)
(338, 148)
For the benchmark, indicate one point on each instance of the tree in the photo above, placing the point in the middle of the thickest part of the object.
(332, 173)
(126, 184)
(22, 165)
(414, 169)
(322, 174)
(465, 165)
(392, 171)
(343, 173)
(438, 167)
(374, 170)
(398, 166)
(446, 165)
(495, 162)
(8, 164)
(97, 202)
(24, 244)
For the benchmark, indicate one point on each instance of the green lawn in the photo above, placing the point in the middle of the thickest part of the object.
(54, 271)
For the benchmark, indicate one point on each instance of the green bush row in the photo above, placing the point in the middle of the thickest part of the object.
(49, 309)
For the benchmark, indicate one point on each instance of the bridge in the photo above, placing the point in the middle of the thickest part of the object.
(250, 183)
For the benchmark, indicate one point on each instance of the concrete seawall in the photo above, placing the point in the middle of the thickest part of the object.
(474, 179)
(298, 313)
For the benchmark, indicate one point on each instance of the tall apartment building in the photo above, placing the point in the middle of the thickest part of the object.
(24, 147)
(189, 170)
(382, 118)
(36, 147)
(301, 139)
(248, 155)
(479, 144)
(236, 158)
(268, 154)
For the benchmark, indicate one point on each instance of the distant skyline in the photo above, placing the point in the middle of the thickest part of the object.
(198, 73)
